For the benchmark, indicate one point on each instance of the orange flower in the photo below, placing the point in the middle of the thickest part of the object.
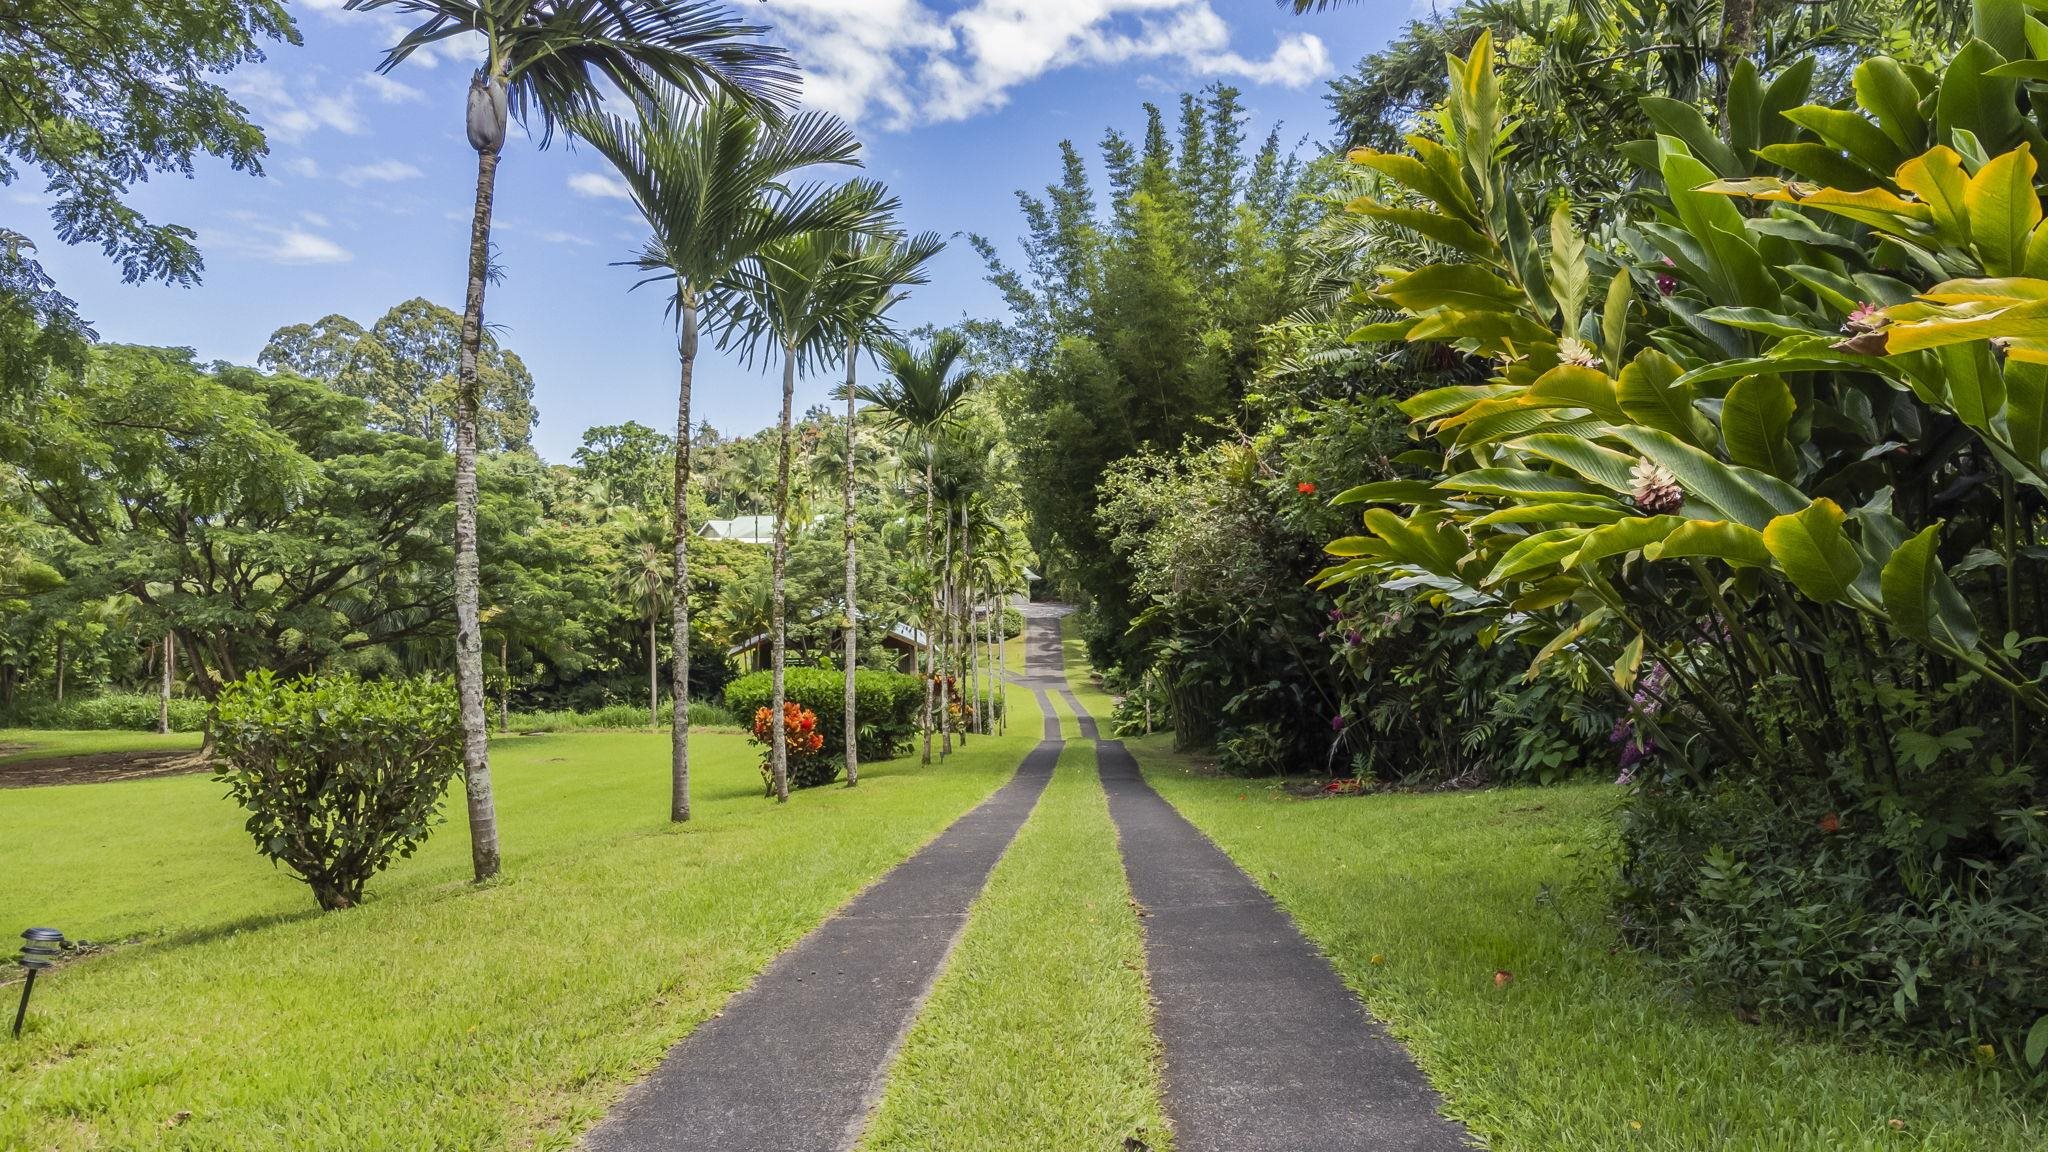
(1831, 823)
(1306, 488)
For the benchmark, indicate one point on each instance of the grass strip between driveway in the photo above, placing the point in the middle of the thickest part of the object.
(1038, 1035)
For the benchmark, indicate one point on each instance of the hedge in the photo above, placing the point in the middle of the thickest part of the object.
(115, 711)
(885, 702)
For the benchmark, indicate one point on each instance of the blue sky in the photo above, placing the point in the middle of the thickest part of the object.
(365, 201)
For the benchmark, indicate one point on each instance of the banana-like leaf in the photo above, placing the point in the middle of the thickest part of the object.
(1743, 495)
(1629, 664)
(1569, 274)
(1755, 420)
(1624, 536)
(1535, 553)
(1885, 91)
(1439, 402)
(1356, 546)
(2004, 209)
(1425, 540)
(1737, 267)
(1389, 492)
(2024, 420)
(1603, 466)
(1848, 132)
(1515, 483)
(1489, 332)
(1569, 385)
(1737, 545)
(1566, 512)
(1614, 317)
(1959, 326)
(1975, 387)
(1936, 179)
(1651, 392)
(1814, 552)
(1458, 287)
(1446, 230)
(1921, 601)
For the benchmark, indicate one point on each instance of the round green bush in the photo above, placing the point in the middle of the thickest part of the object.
(885, 704)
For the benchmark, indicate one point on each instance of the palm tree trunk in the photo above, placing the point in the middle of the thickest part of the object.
(163, 700)
(60, 669)
(504, 683)
(946, 642)
(469, 656)
(779, 629)
(654, 666)
(852, 581)
(972, 697)
(679, 511)
(931, 627)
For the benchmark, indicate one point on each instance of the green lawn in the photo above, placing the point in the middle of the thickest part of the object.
(438, 1014)
(1081, 676)
(1038, 1034)
(37, 744)
(1420, 899)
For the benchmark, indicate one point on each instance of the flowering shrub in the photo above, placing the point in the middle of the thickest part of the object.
(808, 767)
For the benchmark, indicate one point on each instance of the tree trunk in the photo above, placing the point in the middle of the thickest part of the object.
(679, 664)
(945, 615)
(654, 666)
(60, 669)
(504, 684)
(163, 700)
(931, 626)
(469, 659)
(1738, 31)
(852, 581)
(972, 696)
(779, 630)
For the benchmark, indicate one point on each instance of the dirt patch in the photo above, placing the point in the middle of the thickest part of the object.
(98, 767)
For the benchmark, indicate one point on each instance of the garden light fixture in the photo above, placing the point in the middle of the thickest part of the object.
(38, 953)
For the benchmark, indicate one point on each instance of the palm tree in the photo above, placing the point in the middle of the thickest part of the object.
(798, 295)
(923, 395)
(544, 60)
(893, 264)
(644, 580)
(711, 182)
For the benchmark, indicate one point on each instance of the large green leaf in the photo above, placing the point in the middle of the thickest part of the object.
(1848, 132)
(1973, 101)
(1446, 230)
(1410, 172)
(1730, 543)
(1535, 553)
(1569, 385)
(1885, 91)
(1921, 601)
(1936, 178)
(1624, 536)
(1461, 287)
(2024, 420)
(1515, 482)
(2004, 209)
(1389, 492)
(1603, 466)
(1569, 512)
(1737, 268)
(1651, 392)
(1743, 495)
(1755, 419)
(1975, 386)
(1814, 552)
(1423, 541)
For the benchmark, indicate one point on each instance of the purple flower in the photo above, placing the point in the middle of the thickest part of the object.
(1353, 638)
(1667, 284)
(1337, 723)
(1336, 613)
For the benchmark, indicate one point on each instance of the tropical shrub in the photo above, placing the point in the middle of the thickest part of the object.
(1780, 484)
(809, 767)
(114, 711)
(703, 714)
(885, 704)
(339, 774)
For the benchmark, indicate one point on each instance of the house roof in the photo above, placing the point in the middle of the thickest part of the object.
(901, 632)
(751, 529)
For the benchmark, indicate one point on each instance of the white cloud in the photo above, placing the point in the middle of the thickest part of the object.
(600, 185)
(290, 110)
(304, 166)
(388, 90)
(296, 247)
(906, 63)
(561, 237)
(379, 172)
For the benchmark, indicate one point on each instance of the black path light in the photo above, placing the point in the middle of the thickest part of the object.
(38, 953)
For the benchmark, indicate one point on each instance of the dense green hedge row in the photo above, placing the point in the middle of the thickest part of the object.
(885, 702)
(116, 711)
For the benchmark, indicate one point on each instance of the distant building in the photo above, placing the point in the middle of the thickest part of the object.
(745, 529)
(903, 641)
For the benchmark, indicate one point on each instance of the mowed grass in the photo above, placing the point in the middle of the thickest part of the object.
(1421, 899)
(1081, 676)
(20, 744)
(1038, 1033)
(439, 1015)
